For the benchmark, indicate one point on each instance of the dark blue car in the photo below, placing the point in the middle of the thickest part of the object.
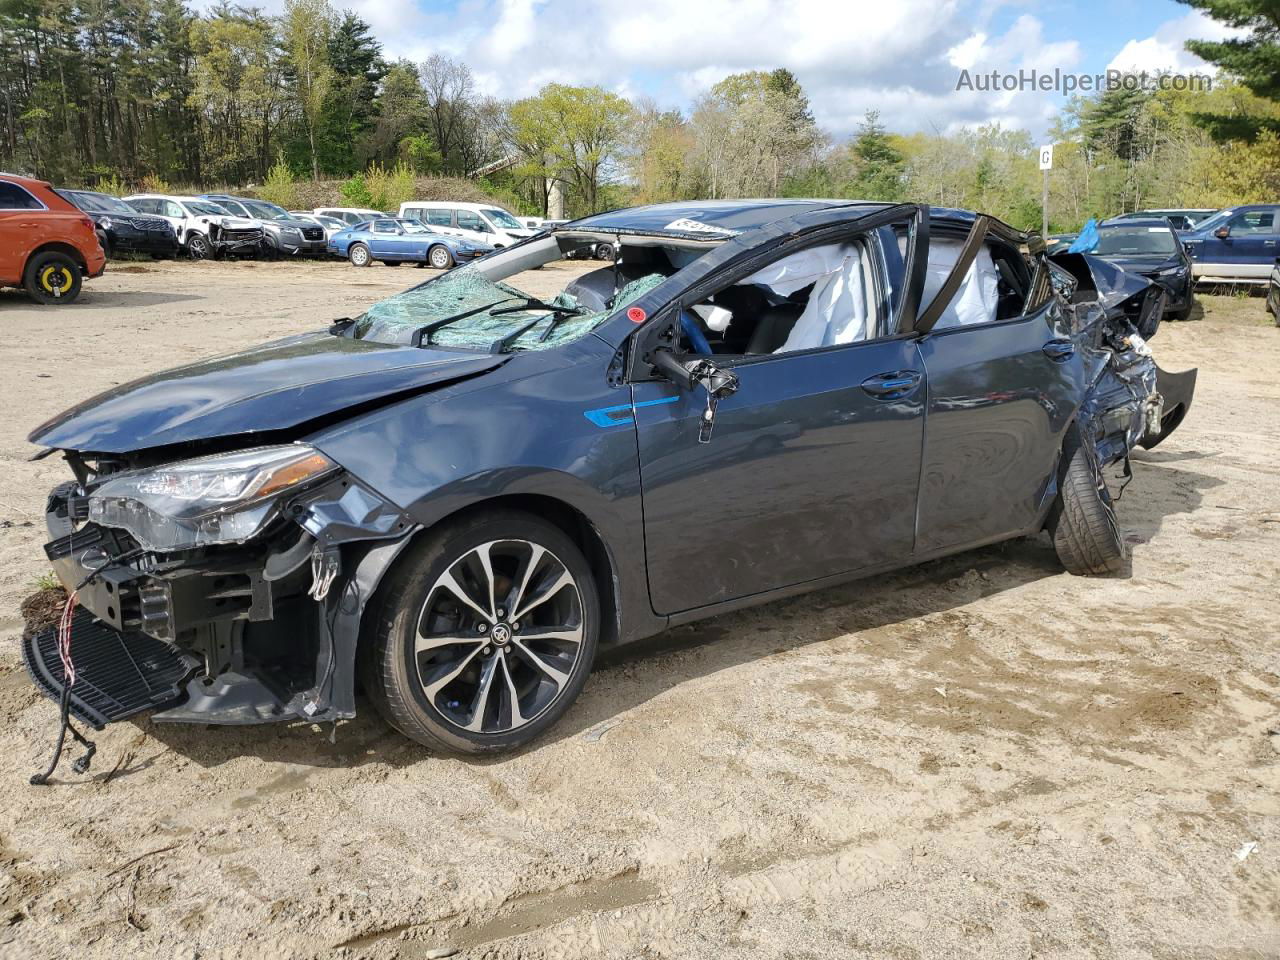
(462, 494)
(1236, 245)
(395, 241)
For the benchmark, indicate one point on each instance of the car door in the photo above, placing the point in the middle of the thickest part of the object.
(384, 240)
(1002, 388)
(1252, 242)
(811, 468)
(22, 225)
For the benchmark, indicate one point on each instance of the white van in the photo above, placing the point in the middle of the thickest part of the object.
(478, 222)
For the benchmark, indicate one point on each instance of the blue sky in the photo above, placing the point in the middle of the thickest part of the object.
(902, 57)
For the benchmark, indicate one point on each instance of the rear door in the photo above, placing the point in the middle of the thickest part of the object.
(23, 224)
(810, 471)
(1002, 390)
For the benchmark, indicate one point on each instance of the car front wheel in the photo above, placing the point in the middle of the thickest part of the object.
(359, 255)
(1086, 533)
(484, 636)
(198, 246)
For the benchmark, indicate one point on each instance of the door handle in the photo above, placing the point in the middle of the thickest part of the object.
(892, 386)
(1059, 350)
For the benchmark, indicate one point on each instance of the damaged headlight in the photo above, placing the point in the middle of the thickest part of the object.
(227, 498)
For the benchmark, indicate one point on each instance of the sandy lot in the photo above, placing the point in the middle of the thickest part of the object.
(980, 757)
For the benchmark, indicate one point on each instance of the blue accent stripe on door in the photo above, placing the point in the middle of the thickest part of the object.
(607, 416)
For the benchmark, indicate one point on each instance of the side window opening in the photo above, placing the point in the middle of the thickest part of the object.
(995, 288)
(827, 295)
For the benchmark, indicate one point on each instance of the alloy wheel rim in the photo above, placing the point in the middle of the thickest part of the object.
(439, 259)
(359, 255)
(499, 636)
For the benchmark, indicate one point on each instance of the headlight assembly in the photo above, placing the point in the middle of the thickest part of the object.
(227, 498)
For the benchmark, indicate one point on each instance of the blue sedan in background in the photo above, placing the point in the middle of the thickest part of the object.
(394, 241)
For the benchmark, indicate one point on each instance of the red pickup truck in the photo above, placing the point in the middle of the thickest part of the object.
(47, 246)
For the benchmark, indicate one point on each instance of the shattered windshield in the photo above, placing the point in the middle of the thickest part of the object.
(464, 308)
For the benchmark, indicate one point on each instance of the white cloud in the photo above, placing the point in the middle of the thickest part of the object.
(1164, 52)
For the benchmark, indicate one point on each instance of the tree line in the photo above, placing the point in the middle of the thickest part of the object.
(124, 93)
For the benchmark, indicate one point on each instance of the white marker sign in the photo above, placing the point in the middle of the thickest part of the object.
(1046, 157)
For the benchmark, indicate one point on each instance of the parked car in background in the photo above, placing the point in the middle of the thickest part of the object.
(395, 241)
(47, 244)
(1182, 219)
(121, 227)
(480, 223)
(1151, 249)
(330, 225)
(1236, 245)
(463, 494)
(1058, 242)
(349, 215)
(203, 228)
(1273, 292)
(284, 236)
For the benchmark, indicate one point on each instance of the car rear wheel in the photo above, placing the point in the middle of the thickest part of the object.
(52, 278)
(440, 257)
(1086, 533)
(484, 636)
(359, 255)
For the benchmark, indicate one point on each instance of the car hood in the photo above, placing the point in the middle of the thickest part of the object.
(230, 222)
(276, 386)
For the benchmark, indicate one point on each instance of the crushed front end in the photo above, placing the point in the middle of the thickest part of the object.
(1130, 402)
(222, 589)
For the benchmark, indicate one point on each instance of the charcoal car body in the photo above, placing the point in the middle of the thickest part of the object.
(463, 493)
(1150, 248)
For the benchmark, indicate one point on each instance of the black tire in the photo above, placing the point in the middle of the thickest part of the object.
(52, 277)
(358, 255)
(1086, 533)
(1183, 315)
(392, 673)
(440, 257)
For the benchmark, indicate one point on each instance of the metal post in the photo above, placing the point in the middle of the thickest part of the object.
(1044, 207)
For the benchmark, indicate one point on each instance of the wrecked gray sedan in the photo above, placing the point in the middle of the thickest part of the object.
(455, 499)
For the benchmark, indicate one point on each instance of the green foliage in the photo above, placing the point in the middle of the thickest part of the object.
(356, 192)
(1254, 59)
(420, 154)
(47, 581)
(280, 186)
(572, 134)
(113, 185)
(879, 165)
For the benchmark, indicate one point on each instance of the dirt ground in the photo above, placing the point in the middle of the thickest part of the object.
(980, 757)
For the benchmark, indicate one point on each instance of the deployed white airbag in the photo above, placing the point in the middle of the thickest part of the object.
(976, 300)
(837, 308)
